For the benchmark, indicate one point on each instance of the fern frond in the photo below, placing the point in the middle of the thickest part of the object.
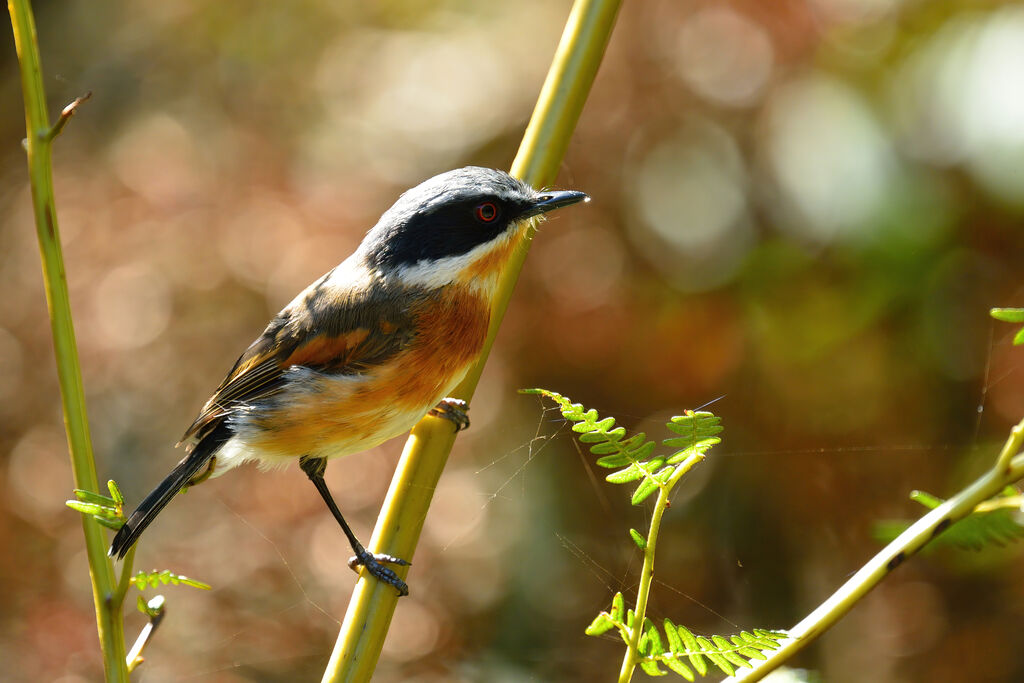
(683, 652)
(992, 523)
(632, 456)
(152, 579)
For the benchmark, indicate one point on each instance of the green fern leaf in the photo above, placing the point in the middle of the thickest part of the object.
(624, 476)
(601, 624)
(152, 579)
(645, 489)
(638, 538)
(1011, 315)
(716, 659)
(618, 607)
(657, 649)
(651, 668)
(696, 659)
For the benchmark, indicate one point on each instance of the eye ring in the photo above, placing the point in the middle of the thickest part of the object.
(486, 212)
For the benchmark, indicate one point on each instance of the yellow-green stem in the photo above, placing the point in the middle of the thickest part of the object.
(1009, 468)
(40, 138)
(397, 531)
(632, 655)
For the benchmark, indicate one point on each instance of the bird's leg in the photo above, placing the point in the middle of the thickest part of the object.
(373, 562)
(453, 409)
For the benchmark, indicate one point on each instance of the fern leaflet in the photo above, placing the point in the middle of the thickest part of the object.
(633, 457)
(153, 579)
(682, 651)
(1011, 315)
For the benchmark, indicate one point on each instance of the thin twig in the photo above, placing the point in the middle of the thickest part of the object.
(157, 612)
(65, 115)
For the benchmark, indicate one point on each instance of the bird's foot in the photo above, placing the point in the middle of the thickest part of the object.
(454, 410)
(374, 563)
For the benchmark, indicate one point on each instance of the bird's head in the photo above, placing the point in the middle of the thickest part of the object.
(459, 226)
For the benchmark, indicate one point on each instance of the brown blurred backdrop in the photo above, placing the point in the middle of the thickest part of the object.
(802, 208)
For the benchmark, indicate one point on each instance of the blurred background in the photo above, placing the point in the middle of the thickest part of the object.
(802, 212)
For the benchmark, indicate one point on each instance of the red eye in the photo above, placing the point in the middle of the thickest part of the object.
(486, 212)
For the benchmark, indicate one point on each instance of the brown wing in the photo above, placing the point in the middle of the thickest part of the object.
(318, 330)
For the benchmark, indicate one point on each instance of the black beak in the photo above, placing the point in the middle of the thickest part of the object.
(549, 201)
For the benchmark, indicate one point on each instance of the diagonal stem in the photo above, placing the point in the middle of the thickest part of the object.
(1009, 467)
(398, 528)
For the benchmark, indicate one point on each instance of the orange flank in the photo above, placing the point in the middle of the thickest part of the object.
(338, 414)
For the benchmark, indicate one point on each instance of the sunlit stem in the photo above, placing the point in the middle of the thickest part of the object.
(1008, 469)
(565, 90)
(38, 145)
(632, 656)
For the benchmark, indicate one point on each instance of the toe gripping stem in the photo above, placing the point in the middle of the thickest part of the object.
(453, 410)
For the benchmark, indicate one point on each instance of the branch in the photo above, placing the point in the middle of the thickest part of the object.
(39, 139)
(1009, 468)
(156, 611)
(65, 115)
(398, 527)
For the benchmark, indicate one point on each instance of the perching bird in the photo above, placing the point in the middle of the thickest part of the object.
(367, 350)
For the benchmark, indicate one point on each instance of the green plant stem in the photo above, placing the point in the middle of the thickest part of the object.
(39, 145)
(398, 527)
(1009, 468)
(632, 655)
(643, 592)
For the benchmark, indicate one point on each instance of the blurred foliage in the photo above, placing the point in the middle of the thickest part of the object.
(804, 209)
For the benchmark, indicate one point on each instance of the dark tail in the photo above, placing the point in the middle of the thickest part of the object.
(159, 497)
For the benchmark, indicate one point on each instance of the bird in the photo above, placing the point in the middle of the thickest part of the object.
(368, 349)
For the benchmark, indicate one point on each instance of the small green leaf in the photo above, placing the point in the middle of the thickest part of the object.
(721, 643)
(618, 607)
(115, 492)
(1009, 315)
(617, 460)
(679, 668)
(595, 437)
(751, 653)
(773, 637)
(152, 579)
(722, 663)
(645, 489)
(694, 648)
(643, 644)
(640, 541)
(736, 659)
(926, 499)
(651, 668)
(657, 649)
(1018, 338)
(86, 508)
(90, 497)
(631, 473)
(601, 624)
(110, 523)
